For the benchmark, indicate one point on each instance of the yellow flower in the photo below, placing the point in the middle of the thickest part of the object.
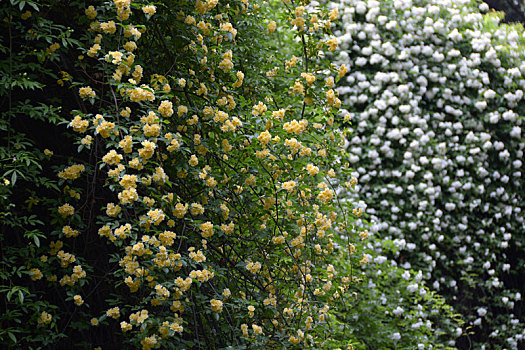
(193, 160)
(334, 14)
(216, 305)
(295, 126)
(108, 27)
(180, 210)
(36, 274)
(86, 92)
(44, 318)
(312, 170)
(149, 10)
(166, 109)
(257, 329)
(94, 321)
(326, 195)
(69, 232)
(244, 328)
(93, 50)
(114, 313)
(78, 300)
(207, 229)
(91, 13)
(342, 71)
(71, 173)
(112, 158)
(130, 46)
(289, 185)
(66, 210)
(332, 44)
(125, 326)
(271, 27)
(240, 78)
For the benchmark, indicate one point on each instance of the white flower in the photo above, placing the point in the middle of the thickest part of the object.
(360, 7)
(516, 132)
(412, 287)
(481, 311)
(483, 7)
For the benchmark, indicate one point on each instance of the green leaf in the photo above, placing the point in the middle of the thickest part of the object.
(13, 177)
(12, 336)
(33, 5)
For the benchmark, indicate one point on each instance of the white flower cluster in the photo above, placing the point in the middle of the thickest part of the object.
(436, 98)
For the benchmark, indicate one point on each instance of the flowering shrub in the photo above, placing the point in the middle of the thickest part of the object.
(434, 94)
(204, 203)
(217, 229)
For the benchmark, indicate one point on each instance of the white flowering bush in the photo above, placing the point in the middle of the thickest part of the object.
(434, 95)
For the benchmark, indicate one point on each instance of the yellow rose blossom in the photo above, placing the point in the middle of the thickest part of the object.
(66, 210)
(125, 326)
(149, 10)
(93, 50)
(180, 210)
(289, 185)
(90, 12)
(87, 140)
(193, 160)
(312, 169)
(35, 274)
(130, 46)
(86, 92)
(78, 300)
(216, 305)
(257, 330)
(114, 313)
(112, 158)
(108, 27)
(206, 229)
(71, 173)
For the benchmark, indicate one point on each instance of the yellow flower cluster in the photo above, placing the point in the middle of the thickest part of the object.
(206, 229)
(139, 317)
(78, 300)
(103, 127)
(253, 267)
(139, 94)
(226, 64)
(72, 172)
(202, 275)
(69, 232)
(296, 127)
(86, 92)
(66, 210)
(216, 305)
(44, 318)
(78, 124)
(149, 10)
(112, 158)
(197, 256)
(35, 274)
